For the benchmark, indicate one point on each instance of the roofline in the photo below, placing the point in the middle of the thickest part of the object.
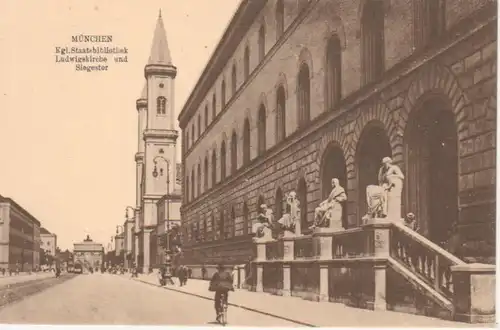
(22, 209)
(247, 10)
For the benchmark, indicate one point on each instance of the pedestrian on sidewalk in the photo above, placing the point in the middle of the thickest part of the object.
(203, 272)
(182, 275)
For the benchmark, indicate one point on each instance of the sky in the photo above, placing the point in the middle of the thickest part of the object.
(68, 137)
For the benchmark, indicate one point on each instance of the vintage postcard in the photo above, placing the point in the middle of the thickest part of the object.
(261, 163)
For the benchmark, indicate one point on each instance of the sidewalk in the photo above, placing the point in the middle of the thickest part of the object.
(307, 313)
(23, 277)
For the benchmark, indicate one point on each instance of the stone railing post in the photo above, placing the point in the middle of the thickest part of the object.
(288, 247)
(381, 249)
(322, 243)
(261, 257)
(474, 293)
(242, 276)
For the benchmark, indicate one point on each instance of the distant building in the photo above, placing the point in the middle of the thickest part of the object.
(19, 236)
(88, 253)
(48, 242)
(120, 246)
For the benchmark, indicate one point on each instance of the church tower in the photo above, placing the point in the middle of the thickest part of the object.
(160, 135)
(142, 107)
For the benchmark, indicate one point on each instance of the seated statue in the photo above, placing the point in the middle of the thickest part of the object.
(263, 228)
(329, 212)
(384, 200)
(290, 221)
(376, 197)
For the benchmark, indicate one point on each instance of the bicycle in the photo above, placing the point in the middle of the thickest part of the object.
(223, 308)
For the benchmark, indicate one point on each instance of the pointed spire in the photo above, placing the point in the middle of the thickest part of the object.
(160, 53)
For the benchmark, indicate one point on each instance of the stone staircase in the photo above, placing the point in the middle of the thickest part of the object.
(383, 265)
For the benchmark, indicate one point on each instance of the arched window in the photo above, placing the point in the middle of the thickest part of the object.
(199, 125)
(198, 182)
(302, 196)
(223, 95)
(233, 222)
(304, 95)
(193, 140)
(333, 75)
(214, 107)
(246, 63)
(205, 175)
(205, 237)
(234, 82)
(246, 142)
(223, 161)
(222, 225)
(212, 226)
(234, 152)
(280, 19)
(278, 203)
(262, 43)
(214, 168)
(193, 179)
(197, 231)
(372, 41)
(187, 189)
(262, 130)
(246, 219)
(280, 114)
(161, 105)
(206, 116)
(429, 21)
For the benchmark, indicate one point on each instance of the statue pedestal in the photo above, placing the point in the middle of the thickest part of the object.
(322, 242)
(261, 250)
(380, 249)
(474, 293)
(322, 245)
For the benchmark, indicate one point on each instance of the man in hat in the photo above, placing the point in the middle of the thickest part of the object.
(221, 283)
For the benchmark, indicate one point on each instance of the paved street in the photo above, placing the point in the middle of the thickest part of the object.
(115, 299)
(111, 299)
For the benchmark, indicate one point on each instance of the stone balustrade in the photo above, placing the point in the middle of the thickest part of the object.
(381, 265)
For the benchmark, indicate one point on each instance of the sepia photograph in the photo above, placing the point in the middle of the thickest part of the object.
(256, 163)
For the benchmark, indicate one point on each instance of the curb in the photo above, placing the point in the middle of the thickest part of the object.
(230, 304)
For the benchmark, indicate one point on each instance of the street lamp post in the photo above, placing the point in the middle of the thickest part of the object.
(155, 174)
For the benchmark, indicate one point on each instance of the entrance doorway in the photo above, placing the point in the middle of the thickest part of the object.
(373, 145)
(431, 150)
(333, 166)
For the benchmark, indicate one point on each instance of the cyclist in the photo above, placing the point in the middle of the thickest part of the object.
(221, 283)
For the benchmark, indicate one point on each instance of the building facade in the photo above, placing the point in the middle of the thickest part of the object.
(48, 242)
(88, 253)
(300, 92)
(120, 247)
(128, 229)
(19, 237)
(156, 158)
